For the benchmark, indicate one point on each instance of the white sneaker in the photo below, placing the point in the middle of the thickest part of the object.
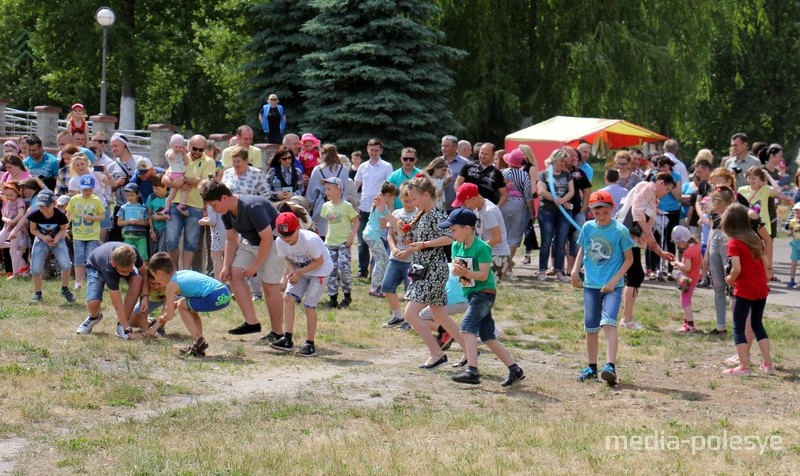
(542, 277)
(122, 333)
(77, 285)
(632, 325)
(87, 325)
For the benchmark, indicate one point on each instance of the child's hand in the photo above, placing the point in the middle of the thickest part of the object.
(459, 269)
(203, 222)
(294, 277)
(6, 220)
(576, 280)
(729, 281)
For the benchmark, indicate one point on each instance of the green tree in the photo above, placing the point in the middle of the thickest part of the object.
(378, 73)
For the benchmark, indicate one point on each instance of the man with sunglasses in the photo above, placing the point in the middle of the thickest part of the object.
(198, 170)
(407, 170)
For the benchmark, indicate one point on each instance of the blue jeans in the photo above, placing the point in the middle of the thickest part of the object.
(396, 273)
(554, 227)
(580, 219)
(478, 318)
(39, 253)
(600, 309)
(363, 247)
(187, 225)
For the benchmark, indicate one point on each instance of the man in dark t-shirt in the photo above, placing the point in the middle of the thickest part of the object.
(253, 219)
(481, 172)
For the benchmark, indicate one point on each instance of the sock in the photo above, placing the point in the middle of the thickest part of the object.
(288, 336)
(513, 367)
(593, 367)
(472, 370)
(309, 342)
(398, 314)
(38, 293)
(611, 365)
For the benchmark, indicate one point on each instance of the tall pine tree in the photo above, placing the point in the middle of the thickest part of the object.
(279, 47)
(378, 73)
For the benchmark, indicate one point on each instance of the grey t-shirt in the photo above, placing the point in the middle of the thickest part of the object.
(254, 215)
(489, 216)
(100, 261)
(561, 184)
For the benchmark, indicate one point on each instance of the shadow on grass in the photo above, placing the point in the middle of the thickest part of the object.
(331, 356)
(675, 393)
(224, 359)
(520, 389)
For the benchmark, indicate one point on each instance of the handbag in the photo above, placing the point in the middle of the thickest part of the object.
(632, 225)
(418, 271)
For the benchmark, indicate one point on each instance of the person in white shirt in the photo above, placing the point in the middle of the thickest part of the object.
(670, 149)
(370, 177)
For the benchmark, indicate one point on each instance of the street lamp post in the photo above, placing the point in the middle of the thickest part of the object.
(105, 18)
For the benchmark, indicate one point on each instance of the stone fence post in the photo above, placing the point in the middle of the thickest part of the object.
(220, 140)
(159, 142)
(3, 129)
(47, 124)
(104, 124)
(267, 153)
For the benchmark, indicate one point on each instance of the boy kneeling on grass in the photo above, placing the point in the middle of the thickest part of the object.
(472, 258)
(198, 293)
(309, 265)
(606, 246)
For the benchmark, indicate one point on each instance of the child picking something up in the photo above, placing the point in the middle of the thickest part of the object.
(606, 251)
(690, 267)
(13, 213)
(198, 293)
(472, 259)
(177, 159)
(309, 264)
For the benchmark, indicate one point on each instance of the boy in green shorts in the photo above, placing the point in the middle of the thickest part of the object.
(472, 258)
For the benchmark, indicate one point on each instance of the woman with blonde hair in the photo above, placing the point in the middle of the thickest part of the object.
(552, 223)
(427, 288)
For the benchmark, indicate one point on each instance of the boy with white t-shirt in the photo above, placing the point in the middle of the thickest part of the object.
(491, 227)
(309, 265)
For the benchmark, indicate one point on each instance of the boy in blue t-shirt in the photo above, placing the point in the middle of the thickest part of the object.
(132, 217)
(198, 293)
(158, 222)
(605, 246)
(472, 258)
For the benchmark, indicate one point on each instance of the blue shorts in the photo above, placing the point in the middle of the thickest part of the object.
(478, 318)
(82, 249)
(95, 284)
(40, 250)
(107, 223)
(216, 300)
(396, 273)
(600, 309)
(795, 245)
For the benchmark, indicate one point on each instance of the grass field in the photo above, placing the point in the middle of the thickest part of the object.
(94, 404)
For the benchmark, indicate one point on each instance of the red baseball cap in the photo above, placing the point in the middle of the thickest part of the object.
(465, 192)
(287, 223)
(600, 198)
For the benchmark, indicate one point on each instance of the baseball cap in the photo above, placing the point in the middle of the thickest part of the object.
(143, 165)
(796, 206)
(77, 105)
(460, 216)
(681, 234)
(131, 187)
(600, 198)
(465, 192)
(62, 200)
(333, 180)
(287, 223)
(87, 181)
(45, 198)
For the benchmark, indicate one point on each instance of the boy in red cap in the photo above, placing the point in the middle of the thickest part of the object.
(309, 265)
(605, 245)
(491, 227)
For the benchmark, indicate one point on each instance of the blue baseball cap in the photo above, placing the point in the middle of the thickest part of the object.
(131, 187)
(45, 198)
(460, 216)
(87, 181)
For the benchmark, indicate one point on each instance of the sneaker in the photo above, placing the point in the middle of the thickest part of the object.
(736, 372)
(526, 259)
(445, 341)
(37, 297)
(197, 349)
(160, 332)
(514, 376)
(345, 302)
(609, 374)
(394, 322)
(67, 294)
(282, 344)
(467, 377)
(687, 328)
(586, 374)
(333, 302)
(542, 277)
(269, 338)
(363, 274)
(770, 369)
(245, 328)
(561, 278)
(87, 325)
(790, 284)
(257, 298)
(405, 326)
(375, 293)
(77, 285)
(732, 361)
(308, 350)
(632, 325)
(509, 275)
(704, 284)
(717, 332)
(122, 332)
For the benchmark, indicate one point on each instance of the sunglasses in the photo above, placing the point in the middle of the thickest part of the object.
(198, 149)
(101, 141)
(286, 158)
(409, 159)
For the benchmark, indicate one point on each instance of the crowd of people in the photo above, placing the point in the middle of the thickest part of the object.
(282, 231)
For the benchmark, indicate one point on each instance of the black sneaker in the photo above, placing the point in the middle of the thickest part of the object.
(333, 302)
(308, 350)
(345, 302)
(719, 333)
(245, 328)
(394, 322)
(67, 294)
(514, 376)
(282, 344)
(363, 274)
(37, 297)
(269, 338)
(467, 377)
(405, 326)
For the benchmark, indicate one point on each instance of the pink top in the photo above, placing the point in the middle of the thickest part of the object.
(12, 209)
(22, 176)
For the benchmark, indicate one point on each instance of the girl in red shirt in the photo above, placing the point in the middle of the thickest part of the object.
(690, 267)
(748, 278)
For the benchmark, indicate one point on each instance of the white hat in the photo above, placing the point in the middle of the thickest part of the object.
(796, 206)
(681, 234)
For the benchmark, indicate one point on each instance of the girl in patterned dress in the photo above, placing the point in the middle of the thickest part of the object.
(429, 252)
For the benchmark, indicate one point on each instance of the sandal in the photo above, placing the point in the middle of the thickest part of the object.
(770, 369)
(736, 372)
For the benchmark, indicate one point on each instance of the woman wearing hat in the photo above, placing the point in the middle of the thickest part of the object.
(10, 147)
(520, 199)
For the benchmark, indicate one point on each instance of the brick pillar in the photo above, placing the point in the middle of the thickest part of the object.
(159, 142)
(3, 129)
(47, 124)
(220, 140)
(105, 124)
(267, 153)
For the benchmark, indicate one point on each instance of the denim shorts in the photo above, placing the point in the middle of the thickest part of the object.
(309, 286)
(214, 301)
(39, 253)
(95, 284)
(478, 318)
(107, 222)
(82, 249)
(600, 309)
(396, 273)
(189, 226)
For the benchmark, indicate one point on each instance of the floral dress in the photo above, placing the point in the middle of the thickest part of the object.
(430, 290)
